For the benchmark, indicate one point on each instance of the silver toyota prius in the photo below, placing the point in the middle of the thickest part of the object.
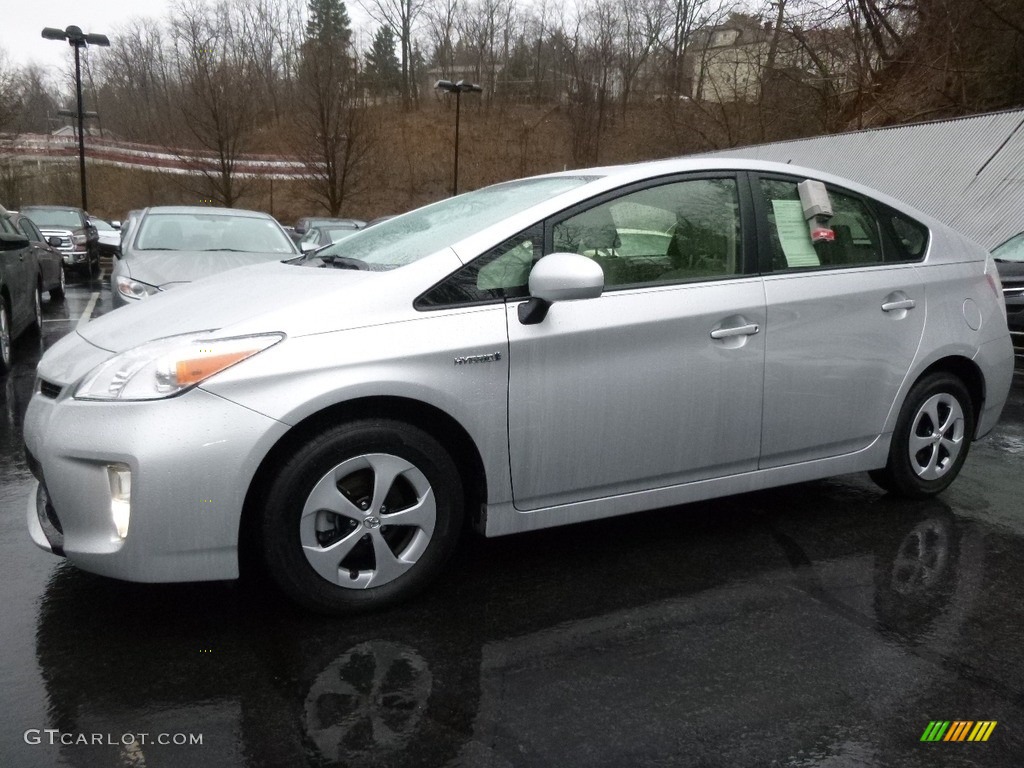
(535, 353)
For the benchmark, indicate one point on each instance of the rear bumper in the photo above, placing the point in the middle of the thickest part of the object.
(996, 361)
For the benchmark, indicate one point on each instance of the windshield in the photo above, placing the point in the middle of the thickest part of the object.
(212, 232)
(408, 238)
(1011, 250)
(44, 217)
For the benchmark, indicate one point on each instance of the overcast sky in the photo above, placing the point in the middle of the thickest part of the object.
(21, 29)
(22, 23)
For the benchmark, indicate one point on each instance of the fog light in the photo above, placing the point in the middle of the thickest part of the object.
(120, 477)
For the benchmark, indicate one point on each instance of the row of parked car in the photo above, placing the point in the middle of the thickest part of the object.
(38, 245)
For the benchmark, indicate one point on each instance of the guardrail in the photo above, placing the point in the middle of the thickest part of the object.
(102, 151)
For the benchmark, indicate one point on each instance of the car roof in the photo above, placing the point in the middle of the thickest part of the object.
(616, 175)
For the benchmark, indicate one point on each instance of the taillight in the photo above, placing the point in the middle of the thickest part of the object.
(992, 276)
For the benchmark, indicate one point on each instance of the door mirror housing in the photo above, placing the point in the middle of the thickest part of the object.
(560, 277)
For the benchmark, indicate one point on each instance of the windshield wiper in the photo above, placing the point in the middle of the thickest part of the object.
(344, 262)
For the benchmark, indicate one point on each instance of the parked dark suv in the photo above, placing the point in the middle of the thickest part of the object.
(79, 240)
(1010, 261)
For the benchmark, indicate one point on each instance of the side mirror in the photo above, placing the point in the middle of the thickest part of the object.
(115, 224)
(306, 246)
(560, 277)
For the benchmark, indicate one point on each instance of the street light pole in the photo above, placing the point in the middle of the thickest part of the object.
(458, 89)
(78, 39)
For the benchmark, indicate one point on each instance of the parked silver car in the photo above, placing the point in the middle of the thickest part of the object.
(168, 246)
(531, 354)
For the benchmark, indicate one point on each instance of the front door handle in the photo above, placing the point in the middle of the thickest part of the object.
(893, 306)
(741, 330)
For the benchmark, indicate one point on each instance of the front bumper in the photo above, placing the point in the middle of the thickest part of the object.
(191, 459)
(75, 258)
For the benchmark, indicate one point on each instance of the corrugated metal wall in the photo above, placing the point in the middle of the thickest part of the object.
(968, 172)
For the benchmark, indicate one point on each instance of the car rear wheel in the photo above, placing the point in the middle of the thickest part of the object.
(56, 294)
(931, 439)
(362, 516)
(5, 338)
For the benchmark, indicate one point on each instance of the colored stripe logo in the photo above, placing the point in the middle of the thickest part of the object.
(959, 730)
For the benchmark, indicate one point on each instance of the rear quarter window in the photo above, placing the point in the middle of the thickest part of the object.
(909, 238)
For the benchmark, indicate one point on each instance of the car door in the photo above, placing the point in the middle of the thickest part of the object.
(658, 381)
(40, 250)
(845, 318)
(18, 277)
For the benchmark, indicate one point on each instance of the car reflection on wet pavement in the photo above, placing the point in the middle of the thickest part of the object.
(817, 625)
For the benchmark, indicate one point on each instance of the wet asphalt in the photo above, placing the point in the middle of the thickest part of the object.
(823, 624)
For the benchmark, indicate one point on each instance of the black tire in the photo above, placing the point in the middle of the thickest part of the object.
(368, 559)
(57, 294)
(6, 339)
(925, 456)
(37, 309)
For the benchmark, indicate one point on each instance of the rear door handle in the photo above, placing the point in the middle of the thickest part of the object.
(740, 330)
(892, 306)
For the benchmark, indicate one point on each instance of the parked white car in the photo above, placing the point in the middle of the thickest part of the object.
(502, 356)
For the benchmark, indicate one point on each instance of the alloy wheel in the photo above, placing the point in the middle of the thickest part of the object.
(936, 436)
(367, 521)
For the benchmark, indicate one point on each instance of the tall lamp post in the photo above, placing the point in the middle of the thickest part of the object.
(458, 89)
(78, 39)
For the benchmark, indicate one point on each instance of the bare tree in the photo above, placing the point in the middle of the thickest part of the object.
(218, 103)
(440, 18)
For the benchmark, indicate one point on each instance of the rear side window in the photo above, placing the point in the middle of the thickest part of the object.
(854, 235)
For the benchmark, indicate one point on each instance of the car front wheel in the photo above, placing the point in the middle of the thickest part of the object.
(362, 516)
(931, 439)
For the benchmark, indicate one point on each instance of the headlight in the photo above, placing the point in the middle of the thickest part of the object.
(134, 289)
(79, 239)
(167, 367)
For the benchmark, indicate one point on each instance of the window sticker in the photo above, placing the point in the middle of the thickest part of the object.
(794, 235)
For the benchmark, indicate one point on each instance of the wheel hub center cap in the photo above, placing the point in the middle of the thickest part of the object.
(371, 522)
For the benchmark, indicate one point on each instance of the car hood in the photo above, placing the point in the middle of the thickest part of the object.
(273, 297)
(165, 268)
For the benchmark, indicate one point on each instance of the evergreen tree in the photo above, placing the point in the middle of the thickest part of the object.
(328, 23)
(383, 70)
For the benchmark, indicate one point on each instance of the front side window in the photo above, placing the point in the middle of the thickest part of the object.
(501, 273)
(30, 230)
(677, 232)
